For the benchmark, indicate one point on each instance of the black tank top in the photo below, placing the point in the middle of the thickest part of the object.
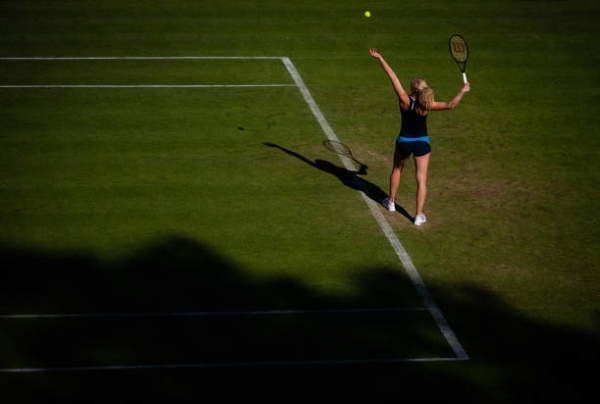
(413, 124)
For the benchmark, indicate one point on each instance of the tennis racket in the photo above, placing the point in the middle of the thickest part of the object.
(459, 50)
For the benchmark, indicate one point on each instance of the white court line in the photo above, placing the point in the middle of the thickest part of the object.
(224, 365)
(141, 85)
(206, 313)
(74, 58)
(51, 58)
(375, 209)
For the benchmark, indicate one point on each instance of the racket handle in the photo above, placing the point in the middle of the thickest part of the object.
(464, 77)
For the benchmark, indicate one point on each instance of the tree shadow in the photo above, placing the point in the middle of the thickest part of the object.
(351, 179)
(512, 358)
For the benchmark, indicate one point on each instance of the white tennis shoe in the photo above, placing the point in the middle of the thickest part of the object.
(420, 219)
(389, 205)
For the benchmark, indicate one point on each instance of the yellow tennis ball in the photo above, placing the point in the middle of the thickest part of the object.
(367, 14)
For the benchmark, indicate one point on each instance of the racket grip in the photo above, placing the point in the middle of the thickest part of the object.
(464, 77)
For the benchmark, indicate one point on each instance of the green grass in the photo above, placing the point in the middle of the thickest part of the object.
(126, 200)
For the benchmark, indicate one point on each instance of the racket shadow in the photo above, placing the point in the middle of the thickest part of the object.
(350, 178)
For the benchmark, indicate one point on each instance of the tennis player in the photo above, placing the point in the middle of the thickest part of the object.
(414, 138)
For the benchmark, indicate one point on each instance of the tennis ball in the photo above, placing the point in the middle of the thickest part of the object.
(367, 14)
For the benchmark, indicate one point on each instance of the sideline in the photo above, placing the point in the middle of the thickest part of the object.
(410, 268)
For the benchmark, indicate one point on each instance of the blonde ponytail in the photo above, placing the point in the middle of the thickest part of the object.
(423, 92)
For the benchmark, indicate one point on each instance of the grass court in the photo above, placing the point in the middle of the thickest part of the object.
(173, 226)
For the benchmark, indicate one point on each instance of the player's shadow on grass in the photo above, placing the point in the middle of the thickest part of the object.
(350, 178)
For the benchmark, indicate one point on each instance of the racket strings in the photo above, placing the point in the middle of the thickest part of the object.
(459, 49)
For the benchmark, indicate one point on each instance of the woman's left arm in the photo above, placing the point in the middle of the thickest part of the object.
(441, 106)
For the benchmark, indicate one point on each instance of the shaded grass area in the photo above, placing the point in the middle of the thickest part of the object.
(519, 358)
(144, 310)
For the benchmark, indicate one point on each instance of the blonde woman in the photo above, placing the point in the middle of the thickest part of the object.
(414, 138)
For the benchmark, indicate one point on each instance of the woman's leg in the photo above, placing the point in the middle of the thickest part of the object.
(399, 161)
(422, 165)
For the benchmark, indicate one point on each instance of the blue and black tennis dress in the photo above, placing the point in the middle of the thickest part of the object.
(413, 137)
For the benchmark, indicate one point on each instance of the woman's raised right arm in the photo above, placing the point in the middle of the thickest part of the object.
(402, 94)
